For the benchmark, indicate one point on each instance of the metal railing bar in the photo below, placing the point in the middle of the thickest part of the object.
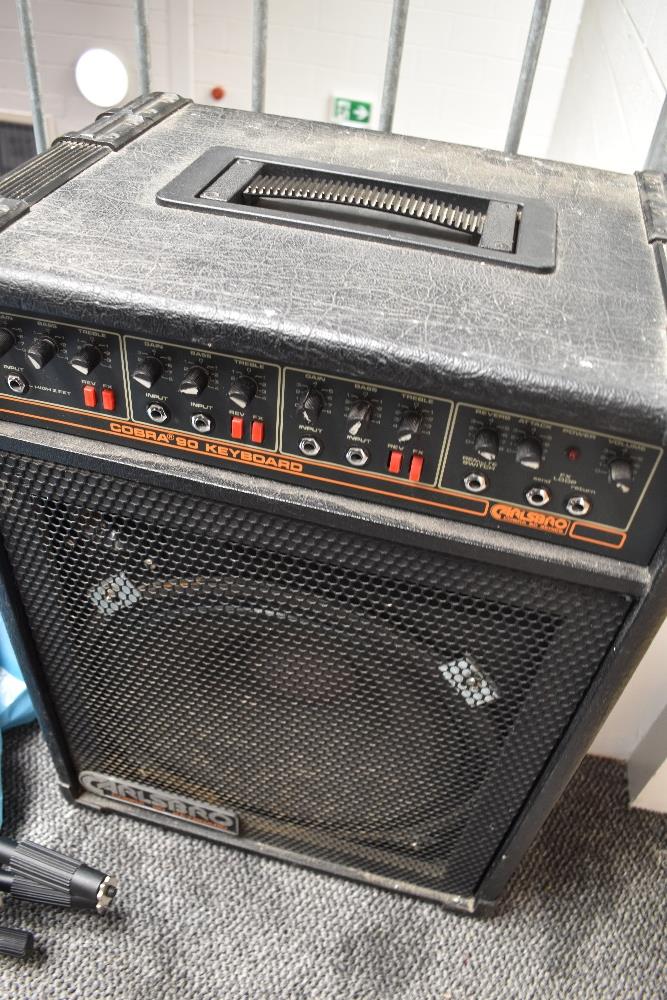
(260, 19)
(399, 17)
(143, 49)
(24, 12)
(656, 158)
(531, 54)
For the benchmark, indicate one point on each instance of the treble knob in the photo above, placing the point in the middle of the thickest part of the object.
(409, 425)
(41, 352)
(242, 391)
(85, 359)
(194, 381)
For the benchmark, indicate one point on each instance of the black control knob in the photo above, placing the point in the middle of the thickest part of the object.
(409, 425)
(148, 372)
(359, 415)
(242, 391)
(620, 474)
(85, 359)
(194, 381)
(529, 453)
(41, 352)
(311, 406)
(486, 444)
(6, 340)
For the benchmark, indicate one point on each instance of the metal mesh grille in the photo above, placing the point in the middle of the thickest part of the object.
(363, 703)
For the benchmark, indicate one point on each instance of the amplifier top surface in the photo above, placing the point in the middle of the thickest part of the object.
(587, 337)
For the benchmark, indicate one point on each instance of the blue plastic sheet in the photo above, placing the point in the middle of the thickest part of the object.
(15, 705)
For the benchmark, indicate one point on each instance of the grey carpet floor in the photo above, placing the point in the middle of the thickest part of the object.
(585, 917)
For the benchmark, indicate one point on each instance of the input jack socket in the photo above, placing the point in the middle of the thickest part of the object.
(357, 456)
(476, 482)
(157, 413)
(17, 383)
(310, 446)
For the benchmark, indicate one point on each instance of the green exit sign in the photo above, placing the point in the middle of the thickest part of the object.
(345, 111)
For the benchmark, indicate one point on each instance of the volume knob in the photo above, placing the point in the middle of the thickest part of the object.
(486, 444)
(311, 406)
(408, 426)
(41, 352)
(620, 474)
(242, 391)
(148, 372)
(85, 359)
(529, 453)
(6, 340)
(194, 381)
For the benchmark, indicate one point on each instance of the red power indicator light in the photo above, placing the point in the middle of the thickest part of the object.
(573, 453)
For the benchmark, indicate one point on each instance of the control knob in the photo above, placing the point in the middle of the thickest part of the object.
(409, 425)
(360, 413)
(6, 340)
(486, 444)
(194, 381)
(529, 453)
(148, 372)
(85, 359)
(311, 406)
(620, 474)
(242, 391)
(41, 352)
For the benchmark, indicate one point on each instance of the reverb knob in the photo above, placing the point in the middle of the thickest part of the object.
(148, 372)
(486, 444)
(359, 415)
(311, 406)
(6, 340)
(42, 351)
(529, 453)
(409, 425)
(620, 474)
(194, 381)
(242, 391)
(85, 359)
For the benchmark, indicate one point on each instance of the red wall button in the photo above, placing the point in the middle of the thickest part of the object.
(108, 400)
(395, 461)
(90, 395)
(237, 428)
(257, 431)
(416, 467)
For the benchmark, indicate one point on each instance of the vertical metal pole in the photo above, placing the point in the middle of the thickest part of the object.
(399, 17)
(259, 32)
(143, 51)
(30, 57)
(657, 155)
(531, 54)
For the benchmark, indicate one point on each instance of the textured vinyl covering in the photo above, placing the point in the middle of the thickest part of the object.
(592, 332)
(584, 918)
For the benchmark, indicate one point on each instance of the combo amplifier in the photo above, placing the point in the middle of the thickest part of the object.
(333, 497)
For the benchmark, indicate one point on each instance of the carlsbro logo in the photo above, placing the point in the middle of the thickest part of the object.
(536, 519)
(189, 810)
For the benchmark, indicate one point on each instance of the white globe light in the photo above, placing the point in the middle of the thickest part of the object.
(101, 77)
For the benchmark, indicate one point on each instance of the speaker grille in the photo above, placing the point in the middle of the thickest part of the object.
(364, 703)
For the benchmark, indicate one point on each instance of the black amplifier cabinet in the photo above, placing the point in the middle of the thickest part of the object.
(332, 487)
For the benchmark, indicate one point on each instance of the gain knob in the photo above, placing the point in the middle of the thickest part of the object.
(194, 381)
(6, 340)
(41, 352)
(85, 359)
(409, 425)
(311, 406)
(359, 415)
(486, 444)
(620, 474)
(242, 391)
(148, 372)
(529, 453)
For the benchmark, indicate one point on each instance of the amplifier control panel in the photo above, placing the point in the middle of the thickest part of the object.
(358, 425)
(450, 458)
